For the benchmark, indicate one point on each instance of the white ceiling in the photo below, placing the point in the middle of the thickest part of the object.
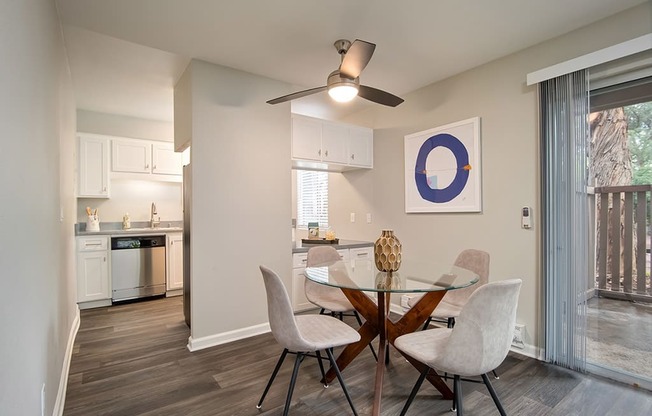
(126, 55)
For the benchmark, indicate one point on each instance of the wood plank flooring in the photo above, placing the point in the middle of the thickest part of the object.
(132, 360)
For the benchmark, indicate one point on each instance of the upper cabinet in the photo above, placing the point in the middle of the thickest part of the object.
(326, 145)
(93, 163)
(142, 156)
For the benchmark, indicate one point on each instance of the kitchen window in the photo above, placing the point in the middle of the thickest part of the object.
(312, 198)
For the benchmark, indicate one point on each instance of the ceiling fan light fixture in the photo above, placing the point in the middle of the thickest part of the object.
(342, 89)
(343, 93)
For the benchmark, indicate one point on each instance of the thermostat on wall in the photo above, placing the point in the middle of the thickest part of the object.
(526, 217)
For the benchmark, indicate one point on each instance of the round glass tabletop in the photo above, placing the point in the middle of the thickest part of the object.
(412, 276)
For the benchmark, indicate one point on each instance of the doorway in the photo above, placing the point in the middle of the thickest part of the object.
(619, 306)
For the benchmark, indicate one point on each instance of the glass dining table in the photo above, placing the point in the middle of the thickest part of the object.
(361, 282)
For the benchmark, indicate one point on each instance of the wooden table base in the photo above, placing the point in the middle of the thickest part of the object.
(378, 323)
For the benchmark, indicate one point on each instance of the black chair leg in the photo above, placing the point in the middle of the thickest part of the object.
(322, 311)
(427, 324)
(450, 323)
(415, 390)
(293, 381)
(457, 393)
(496, 376)
(341, 380)
(269, 383)
(321, 368)
(493, 395)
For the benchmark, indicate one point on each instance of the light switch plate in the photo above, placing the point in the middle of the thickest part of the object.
(353, 217)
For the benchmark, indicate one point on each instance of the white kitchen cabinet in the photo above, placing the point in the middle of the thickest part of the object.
(326, 145)
(299, 260)
(93, 281)
(361, 147)
(131, 156)
(165, 161)
(93, 163)
(334, 143)
(306, 138)
(174, 261)
(145, 157)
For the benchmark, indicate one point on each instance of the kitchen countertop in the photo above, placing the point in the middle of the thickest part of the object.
(298, 247)
(138, 228)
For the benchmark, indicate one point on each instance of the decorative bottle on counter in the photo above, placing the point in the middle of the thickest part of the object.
(387, 252)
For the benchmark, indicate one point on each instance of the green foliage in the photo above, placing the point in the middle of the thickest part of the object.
(639, 128)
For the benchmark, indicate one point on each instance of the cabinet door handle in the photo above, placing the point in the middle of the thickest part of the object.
(153, 166)
(319, 152)
(104, 259)
(363, 254)
(352, 156)
(326, 153)
(104, 189)
(146, 166)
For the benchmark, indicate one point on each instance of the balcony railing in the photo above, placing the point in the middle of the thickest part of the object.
(622, 265)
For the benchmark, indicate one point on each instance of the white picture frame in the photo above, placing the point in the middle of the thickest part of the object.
(443, 169)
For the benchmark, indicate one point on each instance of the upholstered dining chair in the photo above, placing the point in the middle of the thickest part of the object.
(477, 344)
(301, 335)
(328, 298)
(454, 300)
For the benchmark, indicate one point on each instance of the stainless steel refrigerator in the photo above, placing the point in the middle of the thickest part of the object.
(187, 200)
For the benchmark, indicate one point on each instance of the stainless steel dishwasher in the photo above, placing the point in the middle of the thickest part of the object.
(137, 266)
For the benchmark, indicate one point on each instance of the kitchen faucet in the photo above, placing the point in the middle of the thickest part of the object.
(155, 220)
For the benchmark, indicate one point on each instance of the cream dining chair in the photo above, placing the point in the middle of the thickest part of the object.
(454, 300)
(301, 335)
(328, 298)
(477, 344)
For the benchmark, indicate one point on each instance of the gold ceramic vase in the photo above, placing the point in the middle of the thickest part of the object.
(387, 252)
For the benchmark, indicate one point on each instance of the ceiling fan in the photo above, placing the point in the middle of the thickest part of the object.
(343, 84)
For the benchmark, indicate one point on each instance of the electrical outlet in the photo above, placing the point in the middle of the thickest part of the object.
(518, 338)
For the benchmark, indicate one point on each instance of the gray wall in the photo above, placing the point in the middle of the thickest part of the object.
(497, 93)
(240, 198)
(36, 183)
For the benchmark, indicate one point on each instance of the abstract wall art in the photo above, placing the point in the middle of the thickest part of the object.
(442, 169)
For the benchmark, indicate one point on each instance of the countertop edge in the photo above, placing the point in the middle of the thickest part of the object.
(300, 248)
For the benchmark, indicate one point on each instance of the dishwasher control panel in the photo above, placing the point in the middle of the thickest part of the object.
(126, 243)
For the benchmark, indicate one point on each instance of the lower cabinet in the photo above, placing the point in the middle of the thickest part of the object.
(299, 260)
(93, 281)
(175, 261)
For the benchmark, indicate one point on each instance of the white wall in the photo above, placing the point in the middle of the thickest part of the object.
(135, 197)
(240, 198)
(124, 126)
(497, 93)
(37, 116)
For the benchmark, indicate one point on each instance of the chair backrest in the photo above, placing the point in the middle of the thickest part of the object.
(315, 292)
(483, 332)
(478, 262)
(281, 317)
(321, 254)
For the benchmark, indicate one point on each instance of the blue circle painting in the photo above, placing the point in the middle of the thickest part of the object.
(462, 170)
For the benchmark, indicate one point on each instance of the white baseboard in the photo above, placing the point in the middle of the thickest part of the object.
(65, 370)
(529, 351)
(196, 344)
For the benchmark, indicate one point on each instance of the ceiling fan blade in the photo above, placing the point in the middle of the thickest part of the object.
(295, 95)
(379, 96)
(356, 58)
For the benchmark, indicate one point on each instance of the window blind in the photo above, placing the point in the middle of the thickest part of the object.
(312, 198)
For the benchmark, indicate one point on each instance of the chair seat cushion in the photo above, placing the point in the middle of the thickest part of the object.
(446, 310)
(319, 332)
(424, 346)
